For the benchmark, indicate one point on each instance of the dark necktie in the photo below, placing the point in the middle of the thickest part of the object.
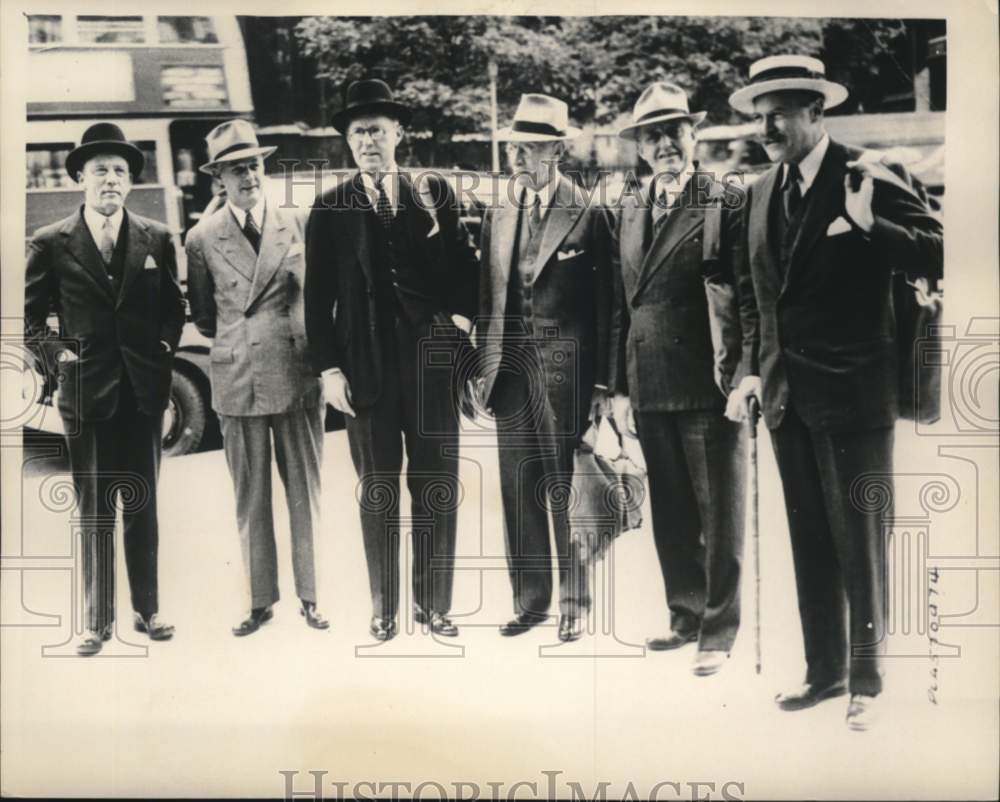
(792, 194)
(382, 207)
(661, 209)
(252, 233)
(535, 218)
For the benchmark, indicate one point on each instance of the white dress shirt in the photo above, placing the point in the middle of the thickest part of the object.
(544, 195)
(809, 166)
(389, 184)
(256, 212)
(95, 224)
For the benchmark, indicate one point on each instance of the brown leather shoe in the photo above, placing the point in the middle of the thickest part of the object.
(570, 628)
(314, 617)
(93, 641)
(862, 712)
(258, 616)
(154, 627)
(439, 623)
(383, 628)
(808, 695)
(672, 641)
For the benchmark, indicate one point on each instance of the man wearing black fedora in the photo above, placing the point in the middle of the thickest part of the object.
(666, 373)
(826, 227)
(545, 305)
(246, 269)
(112, 276)
(391, 276)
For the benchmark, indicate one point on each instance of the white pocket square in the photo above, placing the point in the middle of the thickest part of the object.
(434, 230)
(295, 249)
(562, 256)
(838, 226)
(150, 263)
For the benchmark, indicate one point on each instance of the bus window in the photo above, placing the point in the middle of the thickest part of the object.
(45, 165)
(44, 29)
(111, 30)
(186, 30)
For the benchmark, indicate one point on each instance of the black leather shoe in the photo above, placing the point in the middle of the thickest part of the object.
(258, 616)
(153, 627)
(314, 617)
(672, 641)
(570, 628)
(439, 623)
(521, 624)
(383, 628)
(808, 695)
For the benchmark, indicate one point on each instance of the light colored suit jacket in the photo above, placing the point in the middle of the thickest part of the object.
(251, 306)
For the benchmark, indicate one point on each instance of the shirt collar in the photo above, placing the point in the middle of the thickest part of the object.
(674, 189)
(256, 212)
(809, 166)
(389, 184)
(95, 222)
(545, 194)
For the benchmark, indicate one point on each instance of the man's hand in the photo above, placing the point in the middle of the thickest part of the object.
(858, 195)
(736, 407)
(621, 409)
(337, 391)
(462, 322)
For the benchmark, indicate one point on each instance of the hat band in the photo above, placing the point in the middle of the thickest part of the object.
(524, 127)
(661, 113)
(234, 148)
(786, 72)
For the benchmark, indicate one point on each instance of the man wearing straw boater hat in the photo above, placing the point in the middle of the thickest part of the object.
(246, 270)
(665, 371)
(112, 275)
(390, 292)
(826, 227)
(545, 303)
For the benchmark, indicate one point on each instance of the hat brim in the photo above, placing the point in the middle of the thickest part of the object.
(630, 132)
(508, 134)
(235, 156)
(389, 108)
(833, 93)
(81, 155)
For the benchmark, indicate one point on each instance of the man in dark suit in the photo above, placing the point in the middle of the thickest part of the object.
(545, 303)
(112, 277)
(825, 232)
(666, 371)
(390, 289)
(246, 268)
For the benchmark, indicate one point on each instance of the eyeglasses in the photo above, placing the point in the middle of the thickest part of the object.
(377, 133)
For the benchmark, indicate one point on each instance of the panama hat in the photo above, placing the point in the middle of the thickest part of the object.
(539, 118)
(777, 73)
(231, 141)
(658, 103)
(369, 97)
(104, 138)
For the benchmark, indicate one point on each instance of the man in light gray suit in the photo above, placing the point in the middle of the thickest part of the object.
(246, 266)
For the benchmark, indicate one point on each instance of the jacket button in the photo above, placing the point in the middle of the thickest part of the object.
(232, 283)
(636, 304)
(677, 339)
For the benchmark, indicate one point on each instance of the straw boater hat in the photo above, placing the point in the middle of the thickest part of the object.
(659, 103)
(539, 118)
(104, 138)
(231, 141)
(369, 97)
(777, 73)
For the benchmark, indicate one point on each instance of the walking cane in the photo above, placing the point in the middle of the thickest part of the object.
(753, 413)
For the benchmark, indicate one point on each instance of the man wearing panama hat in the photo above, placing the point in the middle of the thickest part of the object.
(390, 290)
(545, 302)
(665, 371)
(824, 234)
(246, 270)
(112, 276)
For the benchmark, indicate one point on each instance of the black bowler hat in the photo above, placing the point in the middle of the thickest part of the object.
(369, 97)
(104, 138)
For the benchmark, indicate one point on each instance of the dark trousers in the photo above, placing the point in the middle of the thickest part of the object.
(837, 547)
(536, 469)
(298, 451)
(112, 460)
(696, 465)
(416, 409)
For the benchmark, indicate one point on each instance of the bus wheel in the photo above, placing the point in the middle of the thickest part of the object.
(185, 417)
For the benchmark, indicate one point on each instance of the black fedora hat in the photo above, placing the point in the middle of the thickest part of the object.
(104, 138)
(368, 97)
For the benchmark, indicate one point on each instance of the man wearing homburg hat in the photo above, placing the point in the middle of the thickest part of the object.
(827, 226)
(545, 303)
(390, 290)
(665, 371)
(246, 270)
(112, 276)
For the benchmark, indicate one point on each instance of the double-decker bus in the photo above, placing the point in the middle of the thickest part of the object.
(166, 81)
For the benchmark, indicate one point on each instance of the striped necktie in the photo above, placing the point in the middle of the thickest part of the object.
(107, 241)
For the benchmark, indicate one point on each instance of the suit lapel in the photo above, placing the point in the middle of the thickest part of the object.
(358, 206)
(634, 223)
(823, 202)
(234, 246)
(275, 239)
(564, 210)
(502, 247)
(679, 225)
(136, 251)
(83, 249)
(759, 234)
